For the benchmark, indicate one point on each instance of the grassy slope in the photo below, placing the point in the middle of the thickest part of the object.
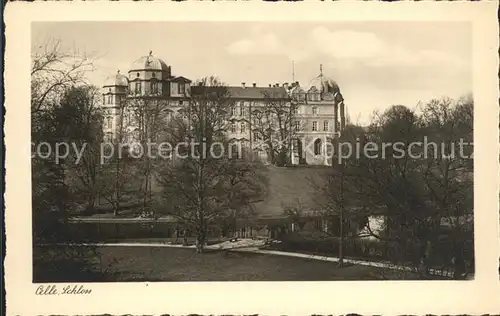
(291, 187)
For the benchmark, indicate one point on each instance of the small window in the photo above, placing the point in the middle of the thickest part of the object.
(233, 128)
(234, 110)
(137, 87)
(109, 122)
(109, 89)
(315, 110)
(110, 99)
(326, 126)
(243, 127)
(317, 147)
(180, 88)
(138, 75)
(154, 87)
(242, 109)
(104, 99)
(153, 74)
(315, 126)
(297, 125)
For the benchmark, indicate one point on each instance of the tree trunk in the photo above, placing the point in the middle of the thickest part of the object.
(341, 217)
(200, 239)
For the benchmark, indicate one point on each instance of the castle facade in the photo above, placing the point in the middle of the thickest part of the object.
(314, 114)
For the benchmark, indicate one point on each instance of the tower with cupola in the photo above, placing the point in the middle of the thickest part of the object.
(114, 92)
(319, 119)
(149, 78)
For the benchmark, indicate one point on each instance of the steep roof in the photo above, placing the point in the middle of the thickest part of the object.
(258, 92)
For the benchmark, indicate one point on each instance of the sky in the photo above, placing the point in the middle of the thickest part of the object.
(376, 64)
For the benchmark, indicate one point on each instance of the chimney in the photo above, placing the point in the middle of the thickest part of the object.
(254, 84)
(296, 83)
(243, 84)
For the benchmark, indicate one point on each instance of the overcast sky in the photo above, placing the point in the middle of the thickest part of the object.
(376, 64)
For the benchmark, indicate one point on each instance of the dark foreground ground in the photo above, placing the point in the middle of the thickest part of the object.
(129, 264)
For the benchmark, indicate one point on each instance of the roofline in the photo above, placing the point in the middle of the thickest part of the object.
(145, 69)
(115, 85)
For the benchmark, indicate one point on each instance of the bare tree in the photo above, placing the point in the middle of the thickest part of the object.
(274, 126)
(448, 172)
(205, 180)
(119, 173)
(414, 195)
(54, 69)
(79, 118)
(149, 118)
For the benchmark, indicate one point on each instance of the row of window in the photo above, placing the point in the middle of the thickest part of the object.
(181, 87)
(326, 126)
(243, 127)
(152, 75)
(108, 99)
(302, 96)
(243, 110)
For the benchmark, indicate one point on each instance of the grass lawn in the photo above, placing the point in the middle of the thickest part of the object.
(129, 264)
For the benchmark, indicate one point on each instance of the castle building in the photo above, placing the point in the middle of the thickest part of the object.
(314, 115)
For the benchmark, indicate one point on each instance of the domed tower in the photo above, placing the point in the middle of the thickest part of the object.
(318, 107)
(327, 91)
(113, 94)
(148, 76)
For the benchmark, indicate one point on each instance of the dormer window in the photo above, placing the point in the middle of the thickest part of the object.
(181, 88)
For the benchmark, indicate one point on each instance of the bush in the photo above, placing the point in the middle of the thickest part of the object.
(407, 252)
